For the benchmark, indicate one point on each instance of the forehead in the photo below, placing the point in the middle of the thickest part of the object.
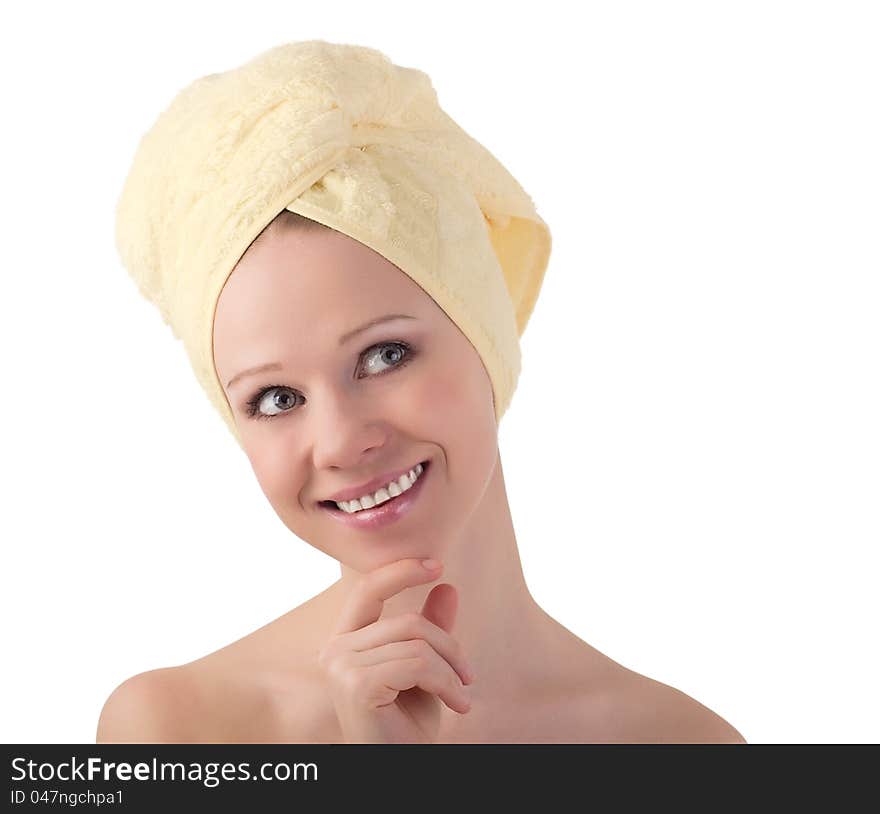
(295, 288)
(311, 265)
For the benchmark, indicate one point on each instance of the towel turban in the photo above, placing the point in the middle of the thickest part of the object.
(340, 134)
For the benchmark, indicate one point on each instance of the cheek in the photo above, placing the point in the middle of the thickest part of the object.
(457, 413)
(272, 470)
(454, 400)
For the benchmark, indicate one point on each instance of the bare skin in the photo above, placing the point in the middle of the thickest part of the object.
(336, 421)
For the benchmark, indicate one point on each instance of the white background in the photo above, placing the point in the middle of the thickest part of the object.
(692, 452)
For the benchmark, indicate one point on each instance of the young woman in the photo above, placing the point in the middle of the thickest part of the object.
(370, 420)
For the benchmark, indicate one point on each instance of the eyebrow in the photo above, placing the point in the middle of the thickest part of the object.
(346, 337)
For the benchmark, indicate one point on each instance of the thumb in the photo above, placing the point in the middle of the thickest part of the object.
(441, 606)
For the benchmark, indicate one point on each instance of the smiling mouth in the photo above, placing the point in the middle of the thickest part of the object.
(331, 504)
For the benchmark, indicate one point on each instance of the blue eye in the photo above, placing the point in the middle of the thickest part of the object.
(285, 398)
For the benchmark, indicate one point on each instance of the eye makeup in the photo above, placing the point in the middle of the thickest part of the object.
(252, 405)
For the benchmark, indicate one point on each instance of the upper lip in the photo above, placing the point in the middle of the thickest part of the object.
(370, 486)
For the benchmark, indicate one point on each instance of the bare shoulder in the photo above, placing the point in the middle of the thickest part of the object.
(241, 693)
(638, 709)
(150, 707)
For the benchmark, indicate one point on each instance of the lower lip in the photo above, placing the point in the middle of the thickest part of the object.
(385, 513)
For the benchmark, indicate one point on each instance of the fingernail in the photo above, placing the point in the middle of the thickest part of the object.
(431, 564)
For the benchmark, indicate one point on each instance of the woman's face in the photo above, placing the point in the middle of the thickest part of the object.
(338, 411)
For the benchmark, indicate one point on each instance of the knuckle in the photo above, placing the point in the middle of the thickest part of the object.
(411, 649)
(337, 671)
(324, 657)
(352, 683)
(423, 649)
(421, 663)
(328, 653)
(413, 621)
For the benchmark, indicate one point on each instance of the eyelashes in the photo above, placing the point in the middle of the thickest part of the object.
(252, 406)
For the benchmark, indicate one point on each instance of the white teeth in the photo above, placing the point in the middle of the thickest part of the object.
(393, 489)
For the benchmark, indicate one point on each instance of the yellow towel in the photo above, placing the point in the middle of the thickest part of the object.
(342, 135)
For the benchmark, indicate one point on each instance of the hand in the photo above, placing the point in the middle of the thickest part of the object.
(385, 676)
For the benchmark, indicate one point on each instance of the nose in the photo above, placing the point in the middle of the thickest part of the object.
(343, 431)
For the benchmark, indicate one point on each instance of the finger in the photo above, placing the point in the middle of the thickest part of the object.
(411, 627)
(432, 675)
(364, 604)
(441, 606)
